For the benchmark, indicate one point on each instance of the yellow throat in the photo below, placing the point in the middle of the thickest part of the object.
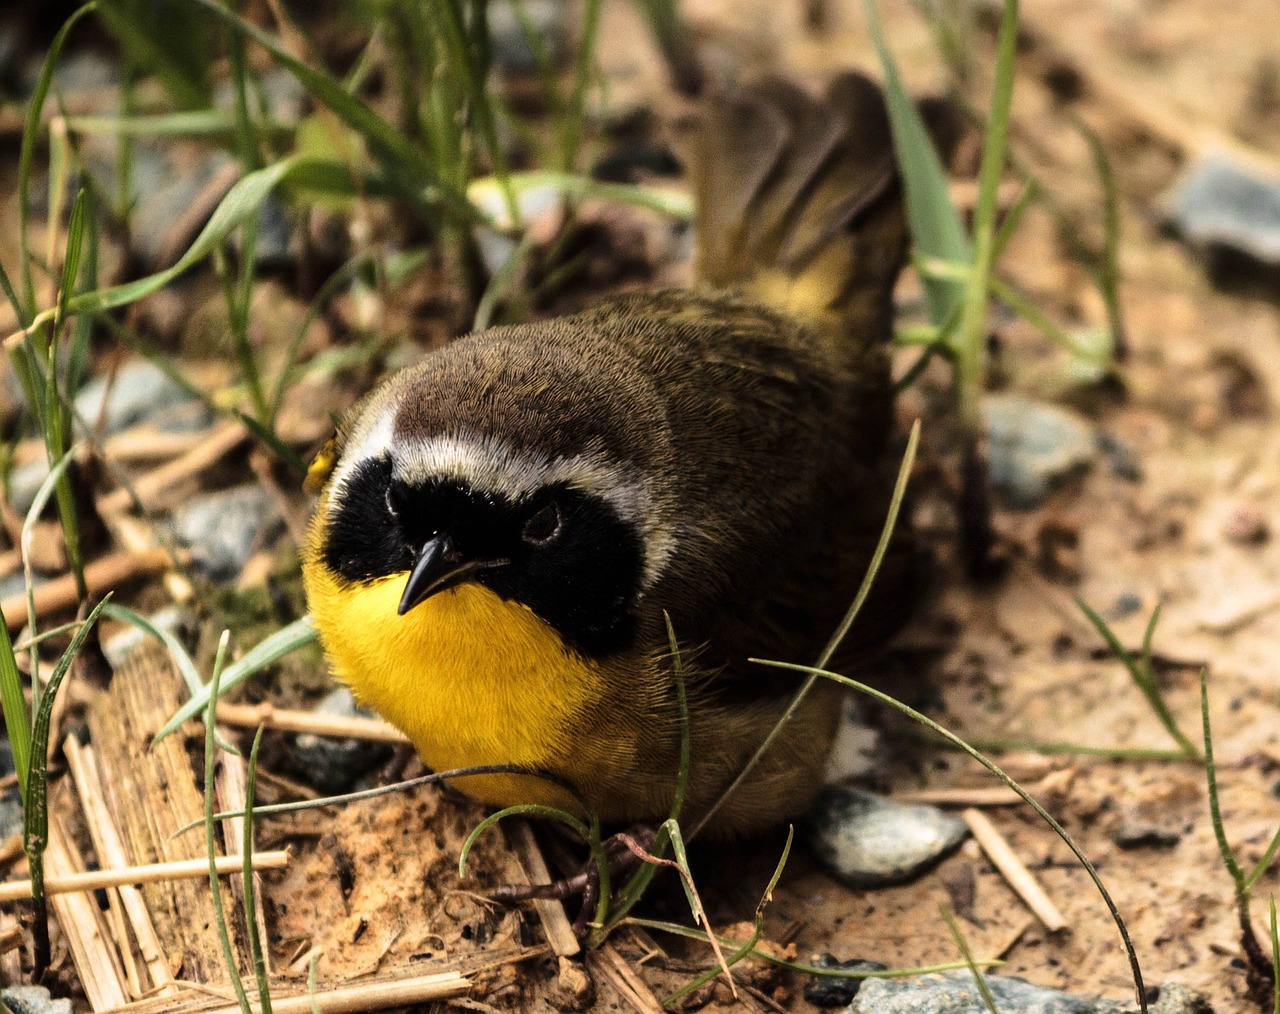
(470, 678)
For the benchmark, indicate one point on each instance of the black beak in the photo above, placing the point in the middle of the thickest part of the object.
(439, 567)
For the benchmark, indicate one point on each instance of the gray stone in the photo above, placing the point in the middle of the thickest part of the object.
(868, 841)
(1221, 204)
(140, 392)
(956, 993)
(223, 529)
(1031, 446)
(335, 765)
(33, 1000)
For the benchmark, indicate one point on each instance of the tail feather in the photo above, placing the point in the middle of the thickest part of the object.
(798, 202)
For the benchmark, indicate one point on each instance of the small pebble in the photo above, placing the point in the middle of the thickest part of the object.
(1137, 834)
(335, 765)
(868, 841)
(956, 993)
(1125, 605)
(829, 991)
(1032, 446)
(33, 1000)
(1222, 205)
(223, 529)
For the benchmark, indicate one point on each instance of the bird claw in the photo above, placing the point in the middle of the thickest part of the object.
(623, 852)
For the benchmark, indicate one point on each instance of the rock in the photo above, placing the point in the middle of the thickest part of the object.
(335, 765)
(33, 1000)
(140, 392)
(957, 993)
(868, 841)
(1137, 834)
(1222, 206)
(1031, 446)
(223, 529)
(829, 991)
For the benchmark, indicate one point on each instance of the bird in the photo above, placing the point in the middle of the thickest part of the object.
(504, 531)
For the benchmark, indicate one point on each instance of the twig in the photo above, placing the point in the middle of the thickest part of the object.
(374, 730)
(624, 979)
(152, 873)
(555, 923)
(97, 963)
(101, 576)
(1013, 870)
(344, 1000)
(111, 855)
(163, 486)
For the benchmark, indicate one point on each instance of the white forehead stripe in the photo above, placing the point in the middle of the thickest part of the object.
(490, 464)
(371, 439)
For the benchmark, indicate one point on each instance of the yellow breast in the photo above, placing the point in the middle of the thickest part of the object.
(470, 678)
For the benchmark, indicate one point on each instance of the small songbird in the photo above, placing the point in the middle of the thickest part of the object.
(503, 528)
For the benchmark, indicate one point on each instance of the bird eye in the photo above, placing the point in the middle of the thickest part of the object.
(544, 526)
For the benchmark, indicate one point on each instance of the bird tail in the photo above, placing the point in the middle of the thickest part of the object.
(799, 204)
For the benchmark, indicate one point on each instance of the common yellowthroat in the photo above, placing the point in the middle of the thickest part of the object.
(501, 528)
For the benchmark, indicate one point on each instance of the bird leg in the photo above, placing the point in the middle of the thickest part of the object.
(623, 853)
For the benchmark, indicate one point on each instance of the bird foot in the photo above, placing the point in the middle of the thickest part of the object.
(623, 853)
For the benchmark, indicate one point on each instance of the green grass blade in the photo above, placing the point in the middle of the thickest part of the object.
(211, 828)
(971, 337)
(833, 645)
(297, 634)
(167, 40)
(190, 674)
(246, 880)
(1215, 808)
(385, 139)
(45, 490)
(384, 790)
(1142, 674)
(522, 809)
(26, 155)
(979, 979)
(936, 230)
(1275, 956)
(990, 765)
(35, 811)
(1265, 861)
(17, 719)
